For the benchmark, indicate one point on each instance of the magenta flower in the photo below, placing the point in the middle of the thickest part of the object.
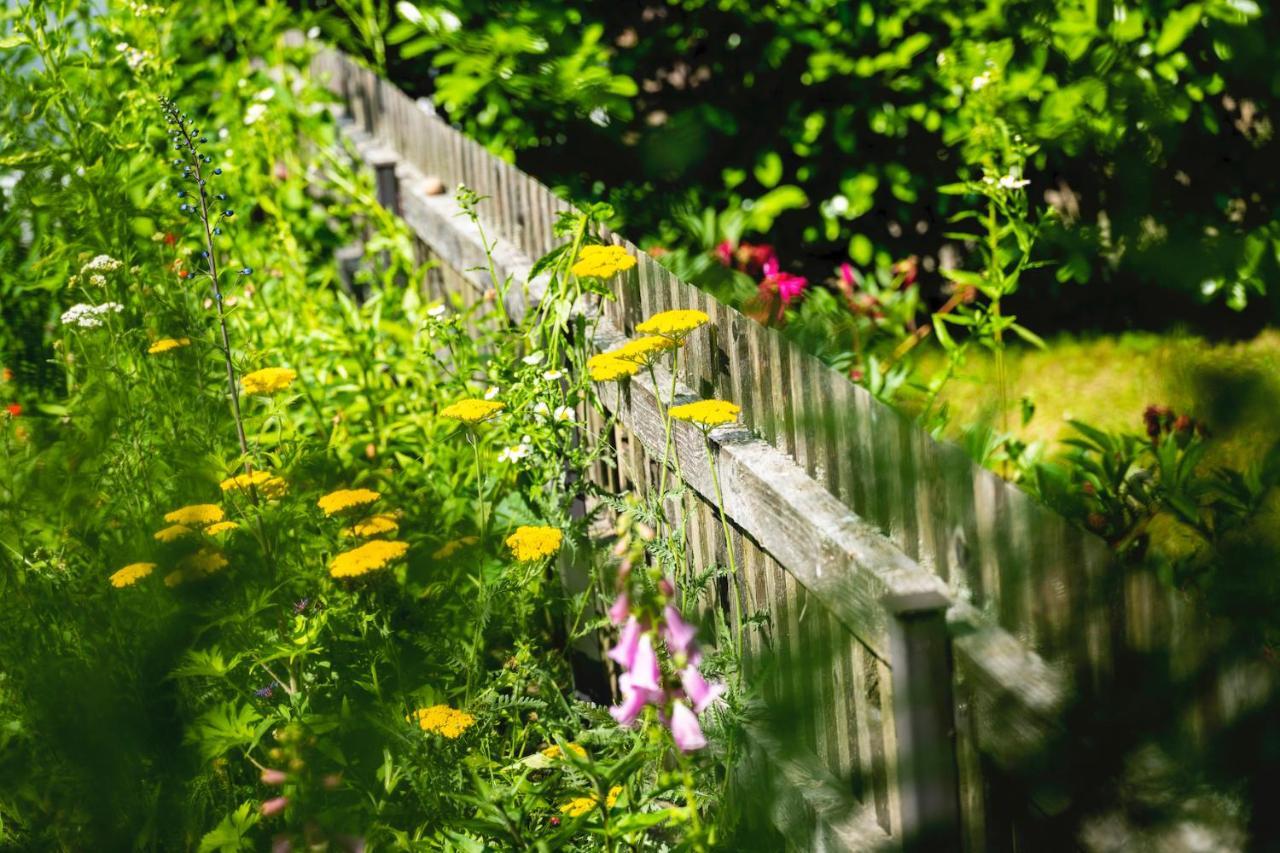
(724, 251)
(624, 654)
(633, 701)
(618, 612)
(677, 632)
(273, 777)
(699, 691)
(685, 729)
(788, 287)
(645, 673)
(274, 806)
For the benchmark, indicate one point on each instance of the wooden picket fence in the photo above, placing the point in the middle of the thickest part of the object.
(926, 621)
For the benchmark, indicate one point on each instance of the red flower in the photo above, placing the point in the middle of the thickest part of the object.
(170, 238)
(724, 253)
(13, 409)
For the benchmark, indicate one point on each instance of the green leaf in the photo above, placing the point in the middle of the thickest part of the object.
(1177, 26)
(769, 171)
(772, 204)
(1028, 336)
(225, 727)
(12, 41)
(230, 835)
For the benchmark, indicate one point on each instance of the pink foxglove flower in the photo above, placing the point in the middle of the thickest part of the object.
(701, 693)
(618, 612)
(273, 777)
(685, 729)
(633, 701)
(644, 667)
(275, 805)
(677, 632)
(624, 654)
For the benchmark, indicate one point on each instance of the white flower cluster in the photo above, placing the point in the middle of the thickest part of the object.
(89, 316)
(562, 414)
(102, 263)
(133, 56)
(517, 452)
(1006, 182)
(255, 112)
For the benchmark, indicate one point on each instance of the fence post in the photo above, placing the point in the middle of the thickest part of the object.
(924, 721)
(386, 182)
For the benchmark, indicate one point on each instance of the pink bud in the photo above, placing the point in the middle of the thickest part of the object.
(677, 632)
(618, 612)
(273, 777)
(276, 805)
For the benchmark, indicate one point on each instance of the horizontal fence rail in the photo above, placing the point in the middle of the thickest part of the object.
(954, 615)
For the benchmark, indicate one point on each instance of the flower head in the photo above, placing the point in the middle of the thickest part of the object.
(685, 729)
(706, 414)
(268, 380)
(369, 557)
(607, 367)
(472, 411)
(204, 562)
(579, 806)
(374, 525)
(131, 574)
(345, 499)
(167, 345)
(173, 533)
(89, 316)
(673, 324)
(597, 261)
(644, 350)
(221, 527)
(264, 483)
(554, 751)
(442, 720)
(533, 543)
(196, 515)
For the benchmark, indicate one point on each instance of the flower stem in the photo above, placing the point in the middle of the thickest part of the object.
(728, 546)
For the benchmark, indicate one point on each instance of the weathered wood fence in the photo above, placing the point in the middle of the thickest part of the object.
(949, 615)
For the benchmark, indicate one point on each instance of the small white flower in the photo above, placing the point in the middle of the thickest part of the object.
(313, 33)
(565, 414)
(493, 392)
(98, 280)
(1012, 182)
(101, 263)
(839, 205)
(265, 95)
(599, 117)
(552, 375)
(223, 133)
(255, 112)
(533, 358)
(437, 312)
(89, 316)
(514, 453)
(541, 411)
(981, 81)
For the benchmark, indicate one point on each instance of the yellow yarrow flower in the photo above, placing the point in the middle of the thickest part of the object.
(453, 546)
(167, 345)
(375, 525)
(345, 499)
(472, 411)
(205, 562)
(196, 515)
(644, 350)
(221, 527)
(131, 574)
(442, 720)
(264, 483)
(173, 533)
(554, 751)
(597, 261)
(673, 324)
(581, 805)
(607, 367)
(268, 380)
(706, 413)
(534, 543)
(369, 557)
(174, 578)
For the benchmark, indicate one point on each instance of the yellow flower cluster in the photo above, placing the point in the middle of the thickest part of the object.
(706, 413)
(374, 525)
(196, 515)
(581, 805)
(534, 543)
(345, 499)
(554, 751)
(369, 557)
(173, 533)
(453, 546)
(673, 324)
(264, 483)
(644, 350)
(221, 527)
(442, 720)
(602, 261)
(472, 411)
(131, 574)
(202, 563)
(607, 367)
(268, 380)
(168, 344)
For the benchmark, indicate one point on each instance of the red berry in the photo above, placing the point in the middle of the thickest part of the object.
(13, 409)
